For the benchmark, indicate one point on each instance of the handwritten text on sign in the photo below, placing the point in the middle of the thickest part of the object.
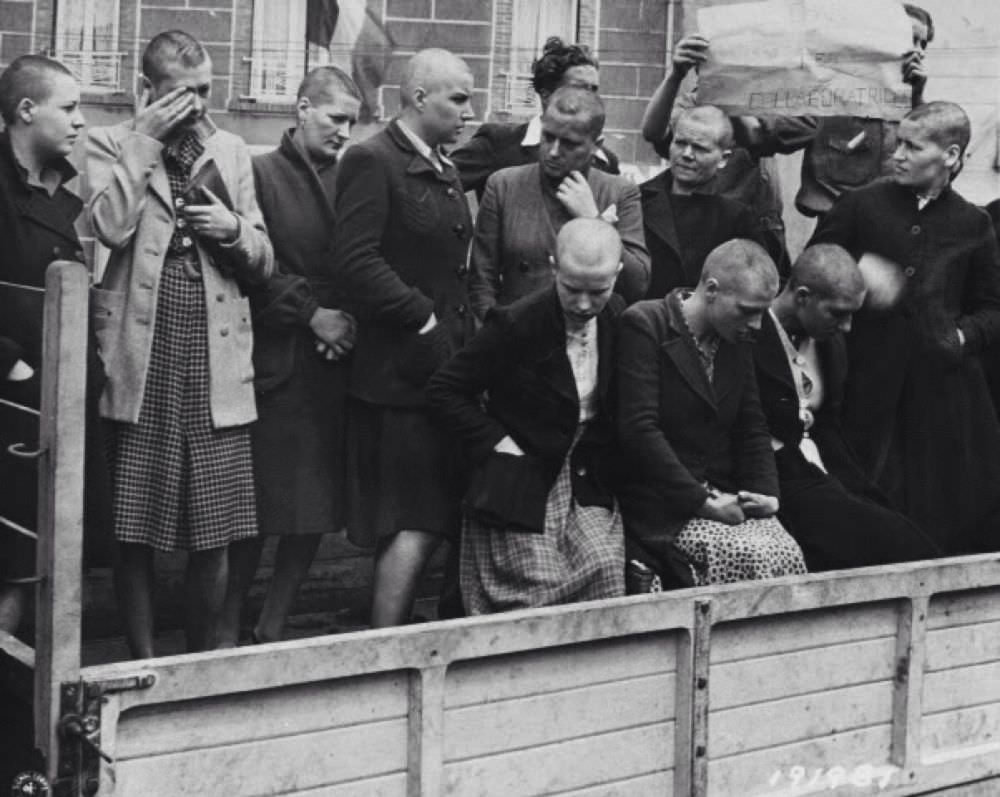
(806, 57)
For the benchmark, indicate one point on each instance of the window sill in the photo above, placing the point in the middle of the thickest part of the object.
(111, 99)
(269, 106)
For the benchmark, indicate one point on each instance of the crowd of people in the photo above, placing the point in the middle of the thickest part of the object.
(590, 388)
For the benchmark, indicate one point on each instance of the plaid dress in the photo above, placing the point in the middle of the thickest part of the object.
(580, 556)
(178, 481)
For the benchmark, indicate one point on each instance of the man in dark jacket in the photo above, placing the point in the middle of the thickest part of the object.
(499, 146)
(40, 105)
(684, 217)
(835, 514)
(300, 341)
(403, 229)
(916, 406)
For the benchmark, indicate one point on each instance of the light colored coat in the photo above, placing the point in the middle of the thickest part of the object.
(133, 216)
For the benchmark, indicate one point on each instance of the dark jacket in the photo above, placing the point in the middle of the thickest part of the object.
(498, 146)
(681, 231)
(519, 361)
(403, 231)
(916, 405)
(678, 431)
(297, 203)
(780, 402)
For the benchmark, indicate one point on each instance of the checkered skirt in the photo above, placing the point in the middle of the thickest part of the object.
(178, 481)
(756, 548)
(581, 556)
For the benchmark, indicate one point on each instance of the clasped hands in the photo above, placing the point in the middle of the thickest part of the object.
(734, 509)
(335, 332)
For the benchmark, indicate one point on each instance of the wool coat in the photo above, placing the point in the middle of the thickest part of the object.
(839, 518)
(519, 362)
(678, 431)
(916, 404)
(298, 440)
(516, 229)
(498, 146)
(403, 231)
(681, 231)
(132, 211)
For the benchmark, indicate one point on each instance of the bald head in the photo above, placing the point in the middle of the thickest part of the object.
(827, 270)
(740, 263)
(588, 260)
(711, 117)
(430, 70)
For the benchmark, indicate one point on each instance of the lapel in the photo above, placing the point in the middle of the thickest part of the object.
(833, 362)
(770, 354)
(301, 164)
(681, 350)
(552, 357)
(728, 370)
(606, 322)
(658, 212)
(418, 164)
(62, 225)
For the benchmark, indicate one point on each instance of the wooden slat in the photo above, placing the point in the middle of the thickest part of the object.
(964, 608)
(908, 683)
(541, 671)
(738, 683)
(426, 731)
(967, 727)
(797, 719)
(750, 774)
(964, 686)
(544, 719)
(190, 725)
(388, 786)
(273, 766)
(963, 646)
(59, 552)
(736, 641)
(552, 769)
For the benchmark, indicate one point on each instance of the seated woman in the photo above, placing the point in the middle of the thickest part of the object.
(540, 522)
(703, 482)
(524, 208)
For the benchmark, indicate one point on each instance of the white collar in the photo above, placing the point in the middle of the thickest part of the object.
(533, 138)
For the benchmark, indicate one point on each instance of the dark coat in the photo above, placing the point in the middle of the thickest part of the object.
(403, 232)
(38, 229)
(519, 361)
(681, 231)
(298, 439)
(916, 405)
(678, 431)
(498, 146)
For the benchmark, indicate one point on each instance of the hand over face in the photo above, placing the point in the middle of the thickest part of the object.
(335, 332)
(213, 220)
(757, 505)
(158, 119)
(575, 194)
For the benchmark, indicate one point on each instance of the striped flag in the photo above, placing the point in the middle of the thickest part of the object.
(357, 41)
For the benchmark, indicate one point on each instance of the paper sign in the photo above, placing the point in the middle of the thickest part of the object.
(806, 57)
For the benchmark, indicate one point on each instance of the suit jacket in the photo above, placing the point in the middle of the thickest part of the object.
(677, 430)
(780, 401)
(679, 242)
(132, 212)
(519, 361)
(403, 231)
(498, 146)
(516, 228)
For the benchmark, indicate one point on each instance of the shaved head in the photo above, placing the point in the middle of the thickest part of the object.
(588, 261)
(589, 243)
(430, 70)
(740, 263)
(713, 117)
(827, 270)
